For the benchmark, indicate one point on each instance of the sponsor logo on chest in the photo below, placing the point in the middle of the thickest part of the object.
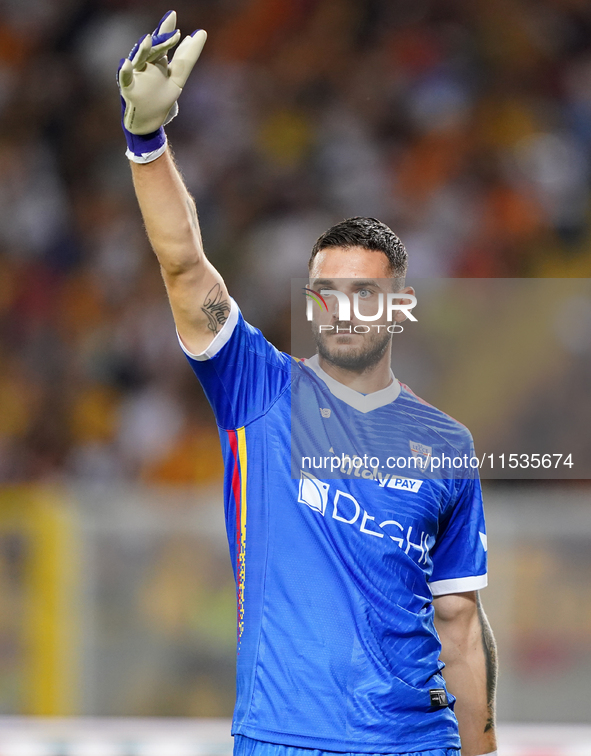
(403, 484)
(346, 510)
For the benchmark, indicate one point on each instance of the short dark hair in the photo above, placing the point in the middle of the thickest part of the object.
(368, 233)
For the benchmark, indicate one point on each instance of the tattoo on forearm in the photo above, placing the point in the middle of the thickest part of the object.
(216, 308)
(490, 656)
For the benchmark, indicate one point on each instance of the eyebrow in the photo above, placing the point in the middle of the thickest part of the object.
(357, 282)
(369, 282)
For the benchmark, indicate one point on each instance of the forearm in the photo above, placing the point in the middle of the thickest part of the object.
(169, 214)
(471, 673)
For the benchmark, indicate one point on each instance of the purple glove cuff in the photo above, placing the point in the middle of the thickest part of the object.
(143, 148)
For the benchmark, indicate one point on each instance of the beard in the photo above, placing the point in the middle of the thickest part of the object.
(357, 359)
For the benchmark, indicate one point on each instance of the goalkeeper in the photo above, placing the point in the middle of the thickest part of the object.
(345, 620)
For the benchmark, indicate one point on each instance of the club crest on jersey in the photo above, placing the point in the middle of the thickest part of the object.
(421, 450)
(325, 411)
(313, 493)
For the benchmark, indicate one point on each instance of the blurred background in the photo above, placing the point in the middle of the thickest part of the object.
(463, 124)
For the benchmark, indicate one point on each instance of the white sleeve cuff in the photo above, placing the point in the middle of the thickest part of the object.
(458, 585)
(219, 339)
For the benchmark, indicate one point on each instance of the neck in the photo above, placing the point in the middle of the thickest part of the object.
(366, 381)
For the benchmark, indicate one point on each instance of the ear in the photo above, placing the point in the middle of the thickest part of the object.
(400, 317)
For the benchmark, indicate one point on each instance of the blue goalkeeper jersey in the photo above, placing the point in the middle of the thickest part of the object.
(336, 570)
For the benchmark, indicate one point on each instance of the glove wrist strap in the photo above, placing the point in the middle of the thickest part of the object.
(144, 148)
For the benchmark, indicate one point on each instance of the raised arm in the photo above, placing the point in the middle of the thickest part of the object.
(469, 653)
(197, 293)
(150, 87)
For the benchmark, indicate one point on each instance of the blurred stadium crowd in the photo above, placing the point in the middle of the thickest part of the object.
(464, 124)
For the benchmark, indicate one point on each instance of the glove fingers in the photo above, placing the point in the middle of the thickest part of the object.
(166, 24)
(186, 56)
(142, 53)
(125, 73)
(135, 48)
(162, 43)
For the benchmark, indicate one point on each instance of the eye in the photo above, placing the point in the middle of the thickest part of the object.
(364, 293)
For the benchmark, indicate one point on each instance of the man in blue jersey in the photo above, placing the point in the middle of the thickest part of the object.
(354, 587)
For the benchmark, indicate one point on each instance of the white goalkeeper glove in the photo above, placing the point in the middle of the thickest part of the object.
(150, 85)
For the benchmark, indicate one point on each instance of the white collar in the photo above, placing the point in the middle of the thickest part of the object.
(361, 402)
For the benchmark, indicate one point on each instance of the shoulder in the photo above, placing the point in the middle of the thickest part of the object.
(251, 339)
(439, 423)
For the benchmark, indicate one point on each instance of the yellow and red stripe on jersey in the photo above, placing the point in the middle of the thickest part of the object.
(237, 440)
